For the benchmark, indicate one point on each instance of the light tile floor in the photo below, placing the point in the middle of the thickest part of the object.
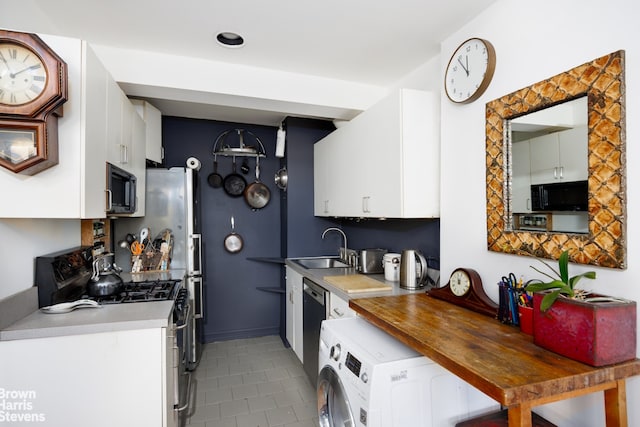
(254, 382)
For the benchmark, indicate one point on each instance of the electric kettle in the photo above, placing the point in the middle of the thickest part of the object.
(413, 269)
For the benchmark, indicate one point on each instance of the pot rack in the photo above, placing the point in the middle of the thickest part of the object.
(242, 150)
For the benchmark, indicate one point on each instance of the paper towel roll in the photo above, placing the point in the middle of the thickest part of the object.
(280, 141)
(193, 163)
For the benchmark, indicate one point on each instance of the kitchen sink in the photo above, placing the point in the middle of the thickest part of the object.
(321, 262)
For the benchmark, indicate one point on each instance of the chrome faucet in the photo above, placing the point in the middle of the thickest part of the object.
(343, 255)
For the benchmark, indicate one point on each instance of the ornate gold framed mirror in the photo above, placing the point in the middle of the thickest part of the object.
(603, 242)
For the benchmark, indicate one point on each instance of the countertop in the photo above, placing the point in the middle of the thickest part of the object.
(317, 275)
(110, 317)
(498, 359)
(107, 318)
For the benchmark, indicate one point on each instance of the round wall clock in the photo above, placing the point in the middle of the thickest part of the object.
(470, 70)
(33, 86)
(465, 289)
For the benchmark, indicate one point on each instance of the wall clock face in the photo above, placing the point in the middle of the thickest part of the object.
(469, 71)
(23, 75)
(33, 85)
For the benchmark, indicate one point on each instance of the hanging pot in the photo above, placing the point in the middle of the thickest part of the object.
(214, 178)
(281, 178)
(257, 194)
(234, 183)
(233, 242)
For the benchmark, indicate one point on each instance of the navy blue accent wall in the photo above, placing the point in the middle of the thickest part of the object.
(235, 308)
(286, 227)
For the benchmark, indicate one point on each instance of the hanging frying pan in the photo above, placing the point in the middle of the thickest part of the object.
(233, 242)
(257, 194)
(234, 183)
(214, 178)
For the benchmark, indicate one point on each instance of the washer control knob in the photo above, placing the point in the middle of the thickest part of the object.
(364, 377)
(335, 352)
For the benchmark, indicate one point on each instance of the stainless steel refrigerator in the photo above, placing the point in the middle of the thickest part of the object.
(172, 203)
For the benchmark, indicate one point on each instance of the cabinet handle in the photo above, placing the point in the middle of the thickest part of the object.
(338, 312)
(365, 204)
(124, 154)
(528, 204)
(561, 172)
(109, 200)
(555, 173)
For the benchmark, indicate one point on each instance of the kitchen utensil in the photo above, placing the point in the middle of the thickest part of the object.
(144, 235)
(234, 183)
(104, 281)
(391, 262)
(65, 307)
(371, 261)
(233, 242)
(413, 269)
(257, 194)
(244, 168)
(281, 178)
(136, 248)
(214, 178)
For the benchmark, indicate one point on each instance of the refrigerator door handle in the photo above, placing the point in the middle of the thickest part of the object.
(198, 297)
(195, 255)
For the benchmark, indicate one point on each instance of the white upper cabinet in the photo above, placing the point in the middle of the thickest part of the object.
(153, 122)
(75, 187)
(384, 163)
(559, 156)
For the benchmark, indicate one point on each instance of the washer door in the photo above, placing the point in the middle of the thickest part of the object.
(333, 403)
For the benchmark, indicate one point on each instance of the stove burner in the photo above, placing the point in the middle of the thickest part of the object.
(155, 290)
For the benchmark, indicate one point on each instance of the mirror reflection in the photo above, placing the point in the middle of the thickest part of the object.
(549, 172)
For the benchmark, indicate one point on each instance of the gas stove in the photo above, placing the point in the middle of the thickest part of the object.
(63, 276)
(143, 291)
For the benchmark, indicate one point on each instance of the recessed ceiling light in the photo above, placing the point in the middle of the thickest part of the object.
(229, 39)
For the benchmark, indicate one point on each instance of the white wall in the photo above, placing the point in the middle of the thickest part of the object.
(535, 40)
(22, 240)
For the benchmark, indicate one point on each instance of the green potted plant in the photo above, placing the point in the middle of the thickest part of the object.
(591, 328)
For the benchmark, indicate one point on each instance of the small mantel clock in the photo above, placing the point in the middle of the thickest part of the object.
(33, 87)
(465, 289)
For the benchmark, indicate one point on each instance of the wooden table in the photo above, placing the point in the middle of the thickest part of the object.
(497, 359)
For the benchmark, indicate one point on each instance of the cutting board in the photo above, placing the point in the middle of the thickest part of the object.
(354, 283)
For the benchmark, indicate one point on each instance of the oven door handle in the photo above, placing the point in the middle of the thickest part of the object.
(179, 409)
(185, 320)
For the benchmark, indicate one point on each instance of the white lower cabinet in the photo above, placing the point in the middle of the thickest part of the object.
(339, 308)
(106, 379)
(293, 329)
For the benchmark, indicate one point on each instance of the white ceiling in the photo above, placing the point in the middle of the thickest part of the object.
(367, 41)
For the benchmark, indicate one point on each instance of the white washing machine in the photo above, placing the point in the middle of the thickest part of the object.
(368, 378)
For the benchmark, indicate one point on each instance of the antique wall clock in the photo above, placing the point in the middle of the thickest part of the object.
(465, 289)
(33, 87)
(470, 70)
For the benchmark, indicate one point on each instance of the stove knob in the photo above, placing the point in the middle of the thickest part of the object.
(335, 352)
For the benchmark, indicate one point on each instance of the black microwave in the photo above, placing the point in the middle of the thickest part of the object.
(121, 191)
(561, 196)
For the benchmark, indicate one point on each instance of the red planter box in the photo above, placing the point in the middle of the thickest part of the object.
(593, 333)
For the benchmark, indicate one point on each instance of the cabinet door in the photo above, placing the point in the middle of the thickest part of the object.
(321, 178)
(545, 167)
(521, 179)
(137, 160)
(339, 308)
(153, 125)
(114, 109)
(294, 310)
(573, 145)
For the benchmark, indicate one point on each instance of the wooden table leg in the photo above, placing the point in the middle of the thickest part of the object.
(615, 405)
(519, 416)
